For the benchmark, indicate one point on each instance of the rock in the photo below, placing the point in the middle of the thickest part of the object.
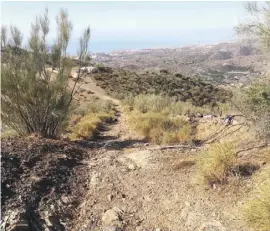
(112, 228)
(95, 179)
(110, 197)
(112, 216)
(158, 229)
(131, 167)
(64, 199)
(187, 203)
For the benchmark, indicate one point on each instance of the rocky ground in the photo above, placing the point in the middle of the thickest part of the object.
(115, 182)
(136, 186)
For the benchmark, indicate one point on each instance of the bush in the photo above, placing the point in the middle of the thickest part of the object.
(161, 103)
(154, 103)
(33, 98)
(158, 128)
(258, 103)
(254, 103)
(87, 126)
(122, 83)
(215, 163)
(100, 68)
(87, 117)
(257, 210)
(97, 106)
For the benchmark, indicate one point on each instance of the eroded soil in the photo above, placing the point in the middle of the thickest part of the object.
(115, 182)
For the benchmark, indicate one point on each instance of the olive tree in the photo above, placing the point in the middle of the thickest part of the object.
(34, 98)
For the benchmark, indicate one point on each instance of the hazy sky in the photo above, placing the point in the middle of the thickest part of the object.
(124, 25)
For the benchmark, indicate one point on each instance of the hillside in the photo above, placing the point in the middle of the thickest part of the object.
(225, 63)
(122, 83)
(169, 139)
(117, 180)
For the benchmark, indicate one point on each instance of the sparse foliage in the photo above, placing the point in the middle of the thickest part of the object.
(3, 36)
(259, 24)
(34, 99)
(254, 104)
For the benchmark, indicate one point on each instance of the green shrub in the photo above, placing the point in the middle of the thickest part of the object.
(258, 103)
(215, 162)
(126, 83)
(34, 99)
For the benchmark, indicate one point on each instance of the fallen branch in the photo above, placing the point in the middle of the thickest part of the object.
(250, 148)
(174, 147)
(222, 135)
(218, 134)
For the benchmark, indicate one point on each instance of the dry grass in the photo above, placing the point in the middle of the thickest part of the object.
(87, 126)
(264, 155)
(9, 133)
(87, 117)
(211, 131)
(162, 103)
(206, 130)
(95, 106)
(215, 163)
(158, 128)
(257, 210)
(160, 119)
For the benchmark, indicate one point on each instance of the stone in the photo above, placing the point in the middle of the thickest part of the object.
(131, 167)
(64, 199)
(112, 228)
(112, 216)
(110, 197)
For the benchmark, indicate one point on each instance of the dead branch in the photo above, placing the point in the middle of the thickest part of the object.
(174, 147)
(251, 148)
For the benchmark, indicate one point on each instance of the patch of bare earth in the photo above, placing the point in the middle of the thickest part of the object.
(135, 187)
(115, 182)
(139, 189)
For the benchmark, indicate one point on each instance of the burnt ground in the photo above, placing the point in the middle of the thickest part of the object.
(43, 182)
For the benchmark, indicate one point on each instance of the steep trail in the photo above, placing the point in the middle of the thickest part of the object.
(132, 187)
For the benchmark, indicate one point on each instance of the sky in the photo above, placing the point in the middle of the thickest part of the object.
(134, 25)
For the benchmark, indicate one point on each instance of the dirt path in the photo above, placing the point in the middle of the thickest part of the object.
(132, 187)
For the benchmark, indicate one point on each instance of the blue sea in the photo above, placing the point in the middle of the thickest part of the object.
(198, 37)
